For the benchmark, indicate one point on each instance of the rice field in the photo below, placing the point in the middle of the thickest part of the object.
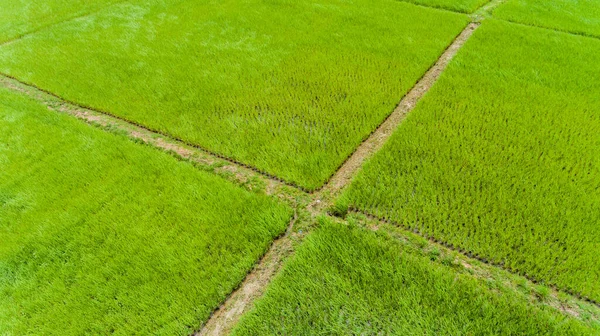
(348, 281)
(101, 235)
(19, 17)
(462, 6)
(502, 157)
(285, 167)
(292, 95)
(575, 16)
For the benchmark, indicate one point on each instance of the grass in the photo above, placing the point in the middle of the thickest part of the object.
(575, 16)
(502, 157)
(286, 86)
(19, 17)
(462, 6)
(101, 235)
(349, 281)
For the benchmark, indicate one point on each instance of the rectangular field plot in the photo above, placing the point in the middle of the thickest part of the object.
(575, 16)
(18, 17)
(100, 235)
(348, 281)
(502, 157)
(463, 6)
(290, 87)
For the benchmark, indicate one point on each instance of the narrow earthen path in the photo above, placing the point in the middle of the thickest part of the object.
(240, 301)
(225, 318)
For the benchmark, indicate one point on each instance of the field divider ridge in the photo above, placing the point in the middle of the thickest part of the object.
(241, 300)
(572, 305)
(375, 141)
(470, 254)
(487, 11)
(156, 138)
(556, 30)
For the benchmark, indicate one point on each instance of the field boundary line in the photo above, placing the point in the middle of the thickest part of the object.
(242, 299)
(72, 18)
(471, 254)
(136, 130)
(443, 9)
(487, 10)
(556, 30)
(344, 174)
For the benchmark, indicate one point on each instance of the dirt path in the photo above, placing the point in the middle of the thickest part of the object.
(469, 256)
(95, 116)
(376, 140)
(240, 301)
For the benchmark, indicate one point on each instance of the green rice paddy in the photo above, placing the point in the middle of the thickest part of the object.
(502, 157)
(348, 281)
(18, 17)
(463, 6)
(101, 235)
(288, 87)
(499, 162)
(575, 16)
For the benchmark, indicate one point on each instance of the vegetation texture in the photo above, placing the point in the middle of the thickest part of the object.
(349, 281)
(464, 6)
(101, 235)
(502, 157)
(290, 87)
(18, 17)
(575, 16)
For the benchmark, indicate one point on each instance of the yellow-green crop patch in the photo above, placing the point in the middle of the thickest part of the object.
(348, 281)
(463, 6)
(502, 157)
(100, 235)
(290, 87)
(575, 16)
(18, 17)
